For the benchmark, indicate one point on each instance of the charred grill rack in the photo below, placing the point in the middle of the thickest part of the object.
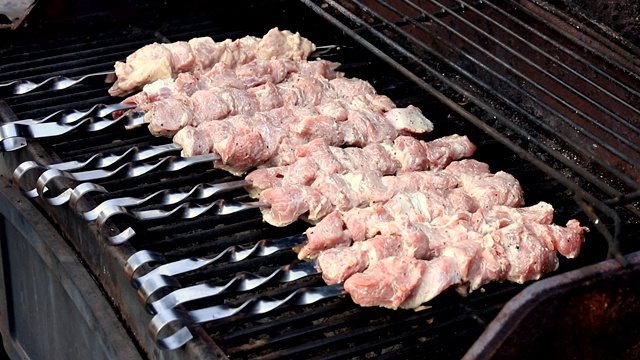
(554, 104)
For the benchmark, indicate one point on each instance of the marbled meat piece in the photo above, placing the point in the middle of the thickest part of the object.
(300, 91)
(314, 204)
(351, 190)
(176, 113)
(390, 281)
(148, 64)
(447, 201)
(182, 57)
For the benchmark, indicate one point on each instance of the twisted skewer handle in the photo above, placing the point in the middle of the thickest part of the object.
(260, 305)
(19, 87)
(244, 281)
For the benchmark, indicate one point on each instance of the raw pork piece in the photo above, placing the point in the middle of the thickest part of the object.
(515, 253)
(280, 138)
(340, 263)
(448, 198)
(245, 77)
(216, 103)
(261, 71)
(148, 64)
(164, 61)
(422, 238)
(351, 190)
(404, 154)
(358, 189)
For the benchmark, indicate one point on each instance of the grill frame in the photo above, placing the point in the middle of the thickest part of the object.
(102, 258)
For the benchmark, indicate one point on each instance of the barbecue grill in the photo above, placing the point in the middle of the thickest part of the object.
(548, 92)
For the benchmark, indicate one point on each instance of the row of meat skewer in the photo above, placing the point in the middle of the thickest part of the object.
(396, 219)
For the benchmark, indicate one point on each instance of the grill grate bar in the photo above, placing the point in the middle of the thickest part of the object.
(567, 162)
(630, 59)
(626, 87)
(574, 144)
(453, 85)
(581, 94)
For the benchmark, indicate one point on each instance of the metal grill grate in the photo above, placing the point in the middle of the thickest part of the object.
(441, 48)
(551, 95)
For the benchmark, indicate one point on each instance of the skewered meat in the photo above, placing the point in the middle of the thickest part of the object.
(352, 190)
(298, 91)
(247, 76)
(159, 61)
(270, 138)
(408, 234)
(404, 154)
(516, 252)
(404, 209)
(344, 192)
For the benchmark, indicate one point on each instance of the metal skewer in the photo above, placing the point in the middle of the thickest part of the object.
(260, 305)
(186, 210)
(97, 161)
(127, 170)
(71, 116)
(19, 87)
(244, 281)
(13, 134)
(147, 286)
(161, 197)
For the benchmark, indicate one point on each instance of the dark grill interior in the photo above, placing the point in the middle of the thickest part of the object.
(548, 107)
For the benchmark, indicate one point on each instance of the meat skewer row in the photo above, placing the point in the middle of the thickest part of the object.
(473, 189)
(165, 61)
(403, 154)
(270, 138)
(517, 252)
(408, 282)
(425, 237)
(355, 259)
(249, 75)
(343, 192)
(329, 97)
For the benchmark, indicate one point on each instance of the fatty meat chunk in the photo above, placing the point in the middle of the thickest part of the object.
(148, 64)
(276, 44)
(390, 281)
(409, 120)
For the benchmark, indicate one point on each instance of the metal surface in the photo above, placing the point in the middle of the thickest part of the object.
(152, 281)
(161, 197)
(51, 288)
(19, 87)
(97, 161)
(13, 135)
(254, 306)
(560, 318)
(241, 282)
(458, 82)
(186, 210)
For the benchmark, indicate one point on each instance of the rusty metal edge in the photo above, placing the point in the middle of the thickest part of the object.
(513, 316)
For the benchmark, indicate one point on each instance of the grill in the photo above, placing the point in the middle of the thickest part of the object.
(547, 92)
